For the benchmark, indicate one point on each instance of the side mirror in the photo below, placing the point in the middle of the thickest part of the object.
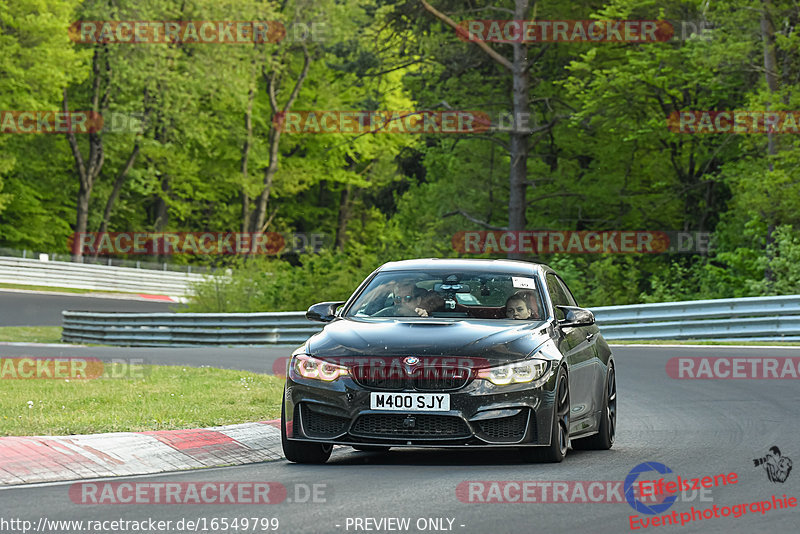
(575, 316)
(323, 312)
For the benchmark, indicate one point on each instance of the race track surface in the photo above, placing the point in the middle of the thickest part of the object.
(44, 309)
(695, 427)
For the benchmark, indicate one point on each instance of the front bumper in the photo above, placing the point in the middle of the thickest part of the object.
(481, 414)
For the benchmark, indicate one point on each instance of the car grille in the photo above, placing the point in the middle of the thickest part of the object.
(505, 429)
(398, 425)
(376, 379)
(441, 379)
(423, 379)
(322, 425)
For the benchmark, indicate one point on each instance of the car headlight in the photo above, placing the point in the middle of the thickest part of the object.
(516, 373)
(307, 366)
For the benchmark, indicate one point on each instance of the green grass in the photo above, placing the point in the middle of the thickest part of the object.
(62, 289)
(699, 342)
(31, 334)
(45, 288)
(159, 398)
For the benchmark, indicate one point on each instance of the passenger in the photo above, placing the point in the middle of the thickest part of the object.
(517, 307)
(532, 300)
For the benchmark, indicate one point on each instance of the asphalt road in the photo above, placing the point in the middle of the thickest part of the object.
(696, 427)
(44, 309)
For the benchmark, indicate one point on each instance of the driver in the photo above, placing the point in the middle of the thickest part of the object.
(407, 301)
(432, 302)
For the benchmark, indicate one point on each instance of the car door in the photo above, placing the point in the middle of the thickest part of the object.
(595, 386)
(580, 355)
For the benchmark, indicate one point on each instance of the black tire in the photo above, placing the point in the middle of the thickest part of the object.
(302, 452)
(371, 448)
(559, 438)
(604, 439)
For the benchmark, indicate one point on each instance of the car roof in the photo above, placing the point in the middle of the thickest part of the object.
(464, 264)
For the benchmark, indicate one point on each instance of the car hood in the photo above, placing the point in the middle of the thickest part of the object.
(497, 341)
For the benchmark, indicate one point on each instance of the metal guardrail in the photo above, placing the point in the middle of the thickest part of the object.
(142, 262)
(186, 329)
(744, 319)
(96, 277)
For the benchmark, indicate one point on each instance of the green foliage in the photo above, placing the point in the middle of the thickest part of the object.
(36, 62)
(783, 262)
(604, 280)
(261, 284)
(609, 162)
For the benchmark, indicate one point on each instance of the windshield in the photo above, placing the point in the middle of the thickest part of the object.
(479, 295)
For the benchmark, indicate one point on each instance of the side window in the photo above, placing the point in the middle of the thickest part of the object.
(567, 292)
(557, 295)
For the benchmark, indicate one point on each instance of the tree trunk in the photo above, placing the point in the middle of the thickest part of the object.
(248, 126)
(518, 172)
(162, 211)
(112, 198)
(87, 170)
(81, 221)
(520, 99)
(260, 213)
(770, 66)
(344, 215)
(259, 216)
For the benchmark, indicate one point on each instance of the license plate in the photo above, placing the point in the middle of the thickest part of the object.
(410, 402)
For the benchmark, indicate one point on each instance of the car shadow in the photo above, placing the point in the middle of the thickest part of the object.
(432, 457)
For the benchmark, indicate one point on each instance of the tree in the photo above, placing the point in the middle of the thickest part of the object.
(37, 61)
(519, 69)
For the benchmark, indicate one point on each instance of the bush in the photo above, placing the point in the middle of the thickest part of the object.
(269, 284)
(736, 270)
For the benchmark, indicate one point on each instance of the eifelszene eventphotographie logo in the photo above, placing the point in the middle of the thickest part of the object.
(777, 466)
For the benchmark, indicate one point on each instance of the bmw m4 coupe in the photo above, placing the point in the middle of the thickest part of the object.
(455, 353)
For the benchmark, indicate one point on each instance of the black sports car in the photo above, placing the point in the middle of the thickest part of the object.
(452, 353)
